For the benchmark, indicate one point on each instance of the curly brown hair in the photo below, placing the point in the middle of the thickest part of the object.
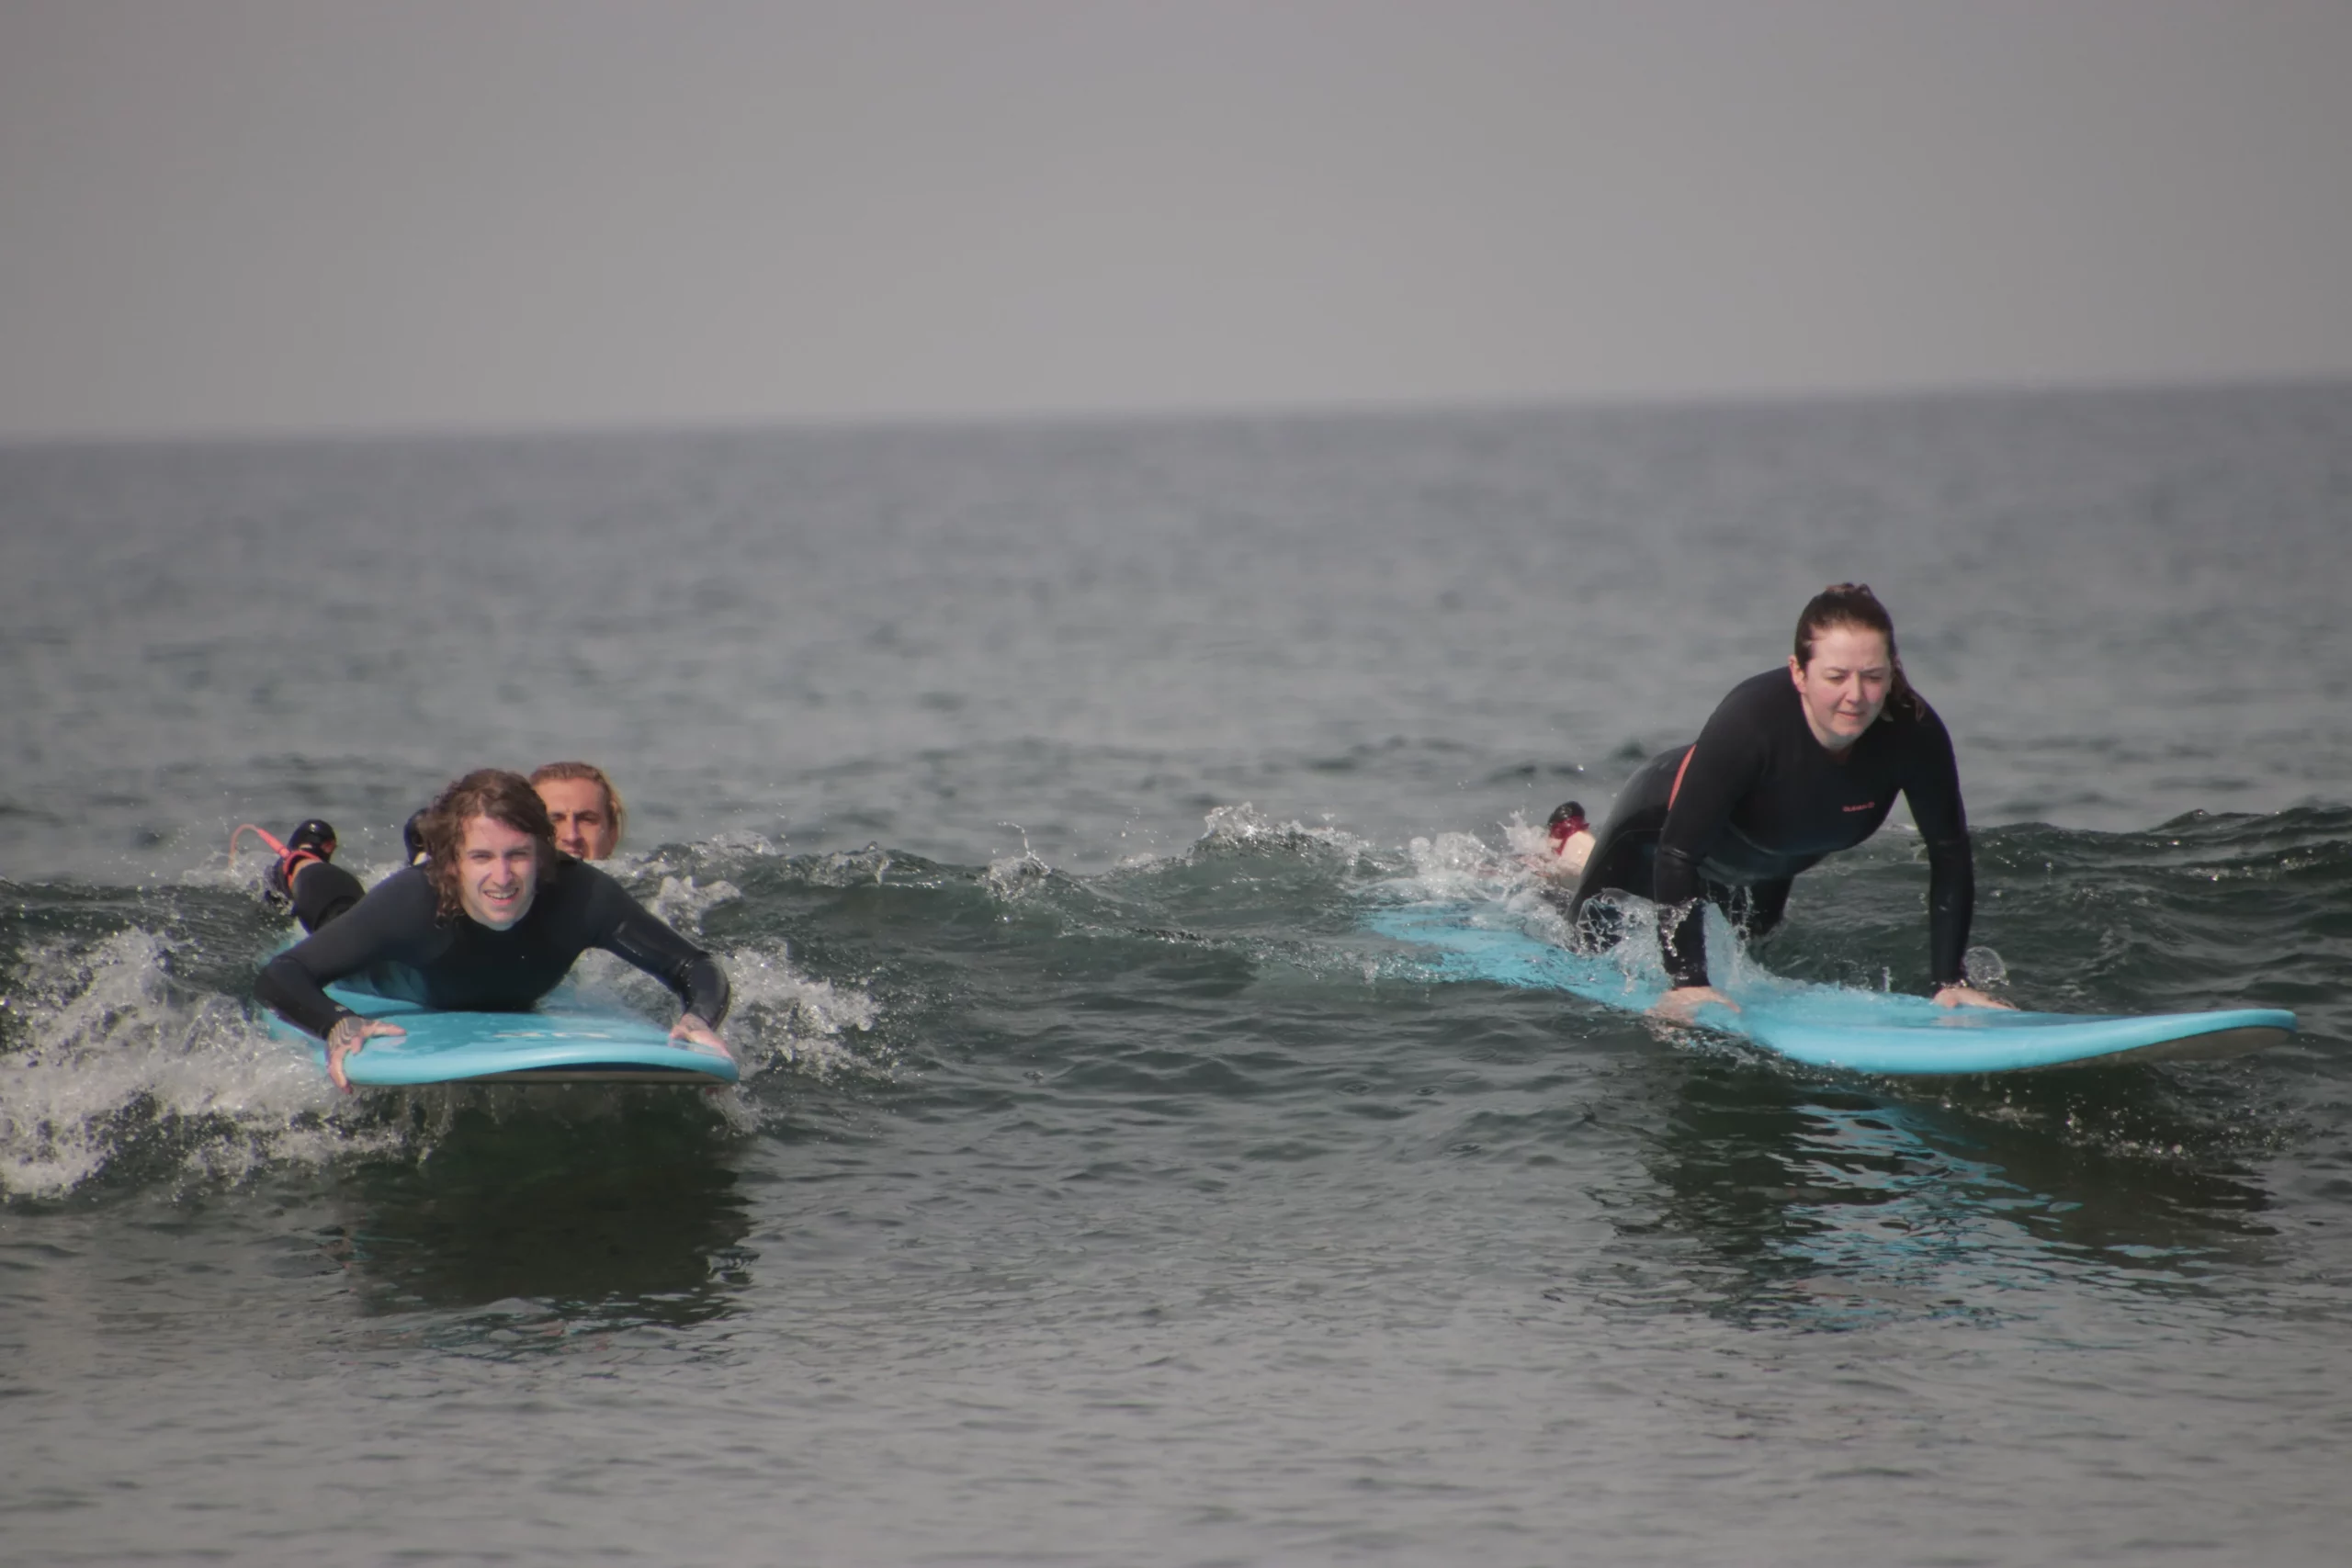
(614, 808)
(1854, 605)
(493, 793)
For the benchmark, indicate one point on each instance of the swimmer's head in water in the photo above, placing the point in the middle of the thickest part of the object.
(497, 796)
(584, 806)
(1845, 666)
(1565, 821)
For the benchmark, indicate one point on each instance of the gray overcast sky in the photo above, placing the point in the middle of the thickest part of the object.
(247, 215)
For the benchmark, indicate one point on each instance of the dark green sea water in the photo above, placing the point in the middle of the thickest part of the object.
(1101, 1191)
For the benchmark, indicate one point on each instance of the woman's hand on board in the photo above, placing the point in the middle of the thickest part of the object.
(1970, 997)
(1681, 1004)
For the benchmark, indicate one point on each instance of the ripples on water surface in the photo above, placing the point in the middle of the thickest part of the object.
(1101, 1192)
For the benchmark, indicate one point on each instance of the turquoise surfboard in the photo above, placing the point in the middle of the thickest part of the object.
(543, 1047)
(1830, 1026)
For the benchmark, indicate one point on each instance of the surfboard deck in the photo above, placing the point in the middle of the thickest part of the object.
(547, 1046)
(1831, 1026)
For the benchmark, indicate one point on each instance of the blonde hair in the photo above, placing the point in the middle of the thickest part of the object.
(596, 775)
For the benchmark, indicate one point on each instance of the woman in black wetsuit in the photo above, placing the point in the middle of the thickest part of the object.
(491, 921)
(1793, 766)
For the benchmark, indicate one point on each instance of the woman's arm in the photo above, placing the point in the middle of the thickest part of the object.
(1932, 789)
(1951, 908)
(1931, 786)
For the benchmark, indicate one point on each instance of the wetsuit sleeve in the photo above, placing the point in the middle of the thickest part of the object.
(1723, 765)
(1932, 787)
(387, 923)
(629, 930)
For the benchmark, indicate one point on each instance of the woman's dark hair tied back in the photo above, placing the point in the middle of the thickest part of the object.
(1853, 605)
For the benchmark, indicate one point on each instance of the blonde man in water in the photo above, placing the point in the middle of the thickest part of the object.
(585, 810)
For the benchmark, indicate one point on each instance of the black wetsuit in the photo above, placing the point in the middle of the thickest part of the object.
(1735, 817)
(323, 891)
(395, 938)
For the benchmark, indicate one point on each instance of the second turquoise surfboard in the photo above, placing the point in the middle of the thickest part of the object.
(1831, 1026)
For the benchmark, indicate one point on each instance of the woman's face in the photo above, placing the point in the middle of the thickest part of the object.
(1844, 689)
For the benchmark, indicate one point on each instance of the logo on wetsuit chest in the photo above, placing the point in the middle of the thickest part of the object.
(1866, 805)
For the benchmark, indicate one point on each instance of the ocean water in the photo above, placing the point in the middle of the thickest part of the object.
(1100, 1191)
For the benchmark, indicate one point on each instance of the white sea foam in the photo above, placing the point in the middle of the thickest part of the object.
(846, 868)
(1008, 876)
(785, 1019)
(1461, 866)
(683, 902)
(1245, 825)
(1013, 876)
(120, 1062)
(780, 1017)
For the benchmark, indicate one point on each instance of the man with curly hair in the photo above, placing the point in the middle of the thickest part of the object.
(581, 804)
(491, 922)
